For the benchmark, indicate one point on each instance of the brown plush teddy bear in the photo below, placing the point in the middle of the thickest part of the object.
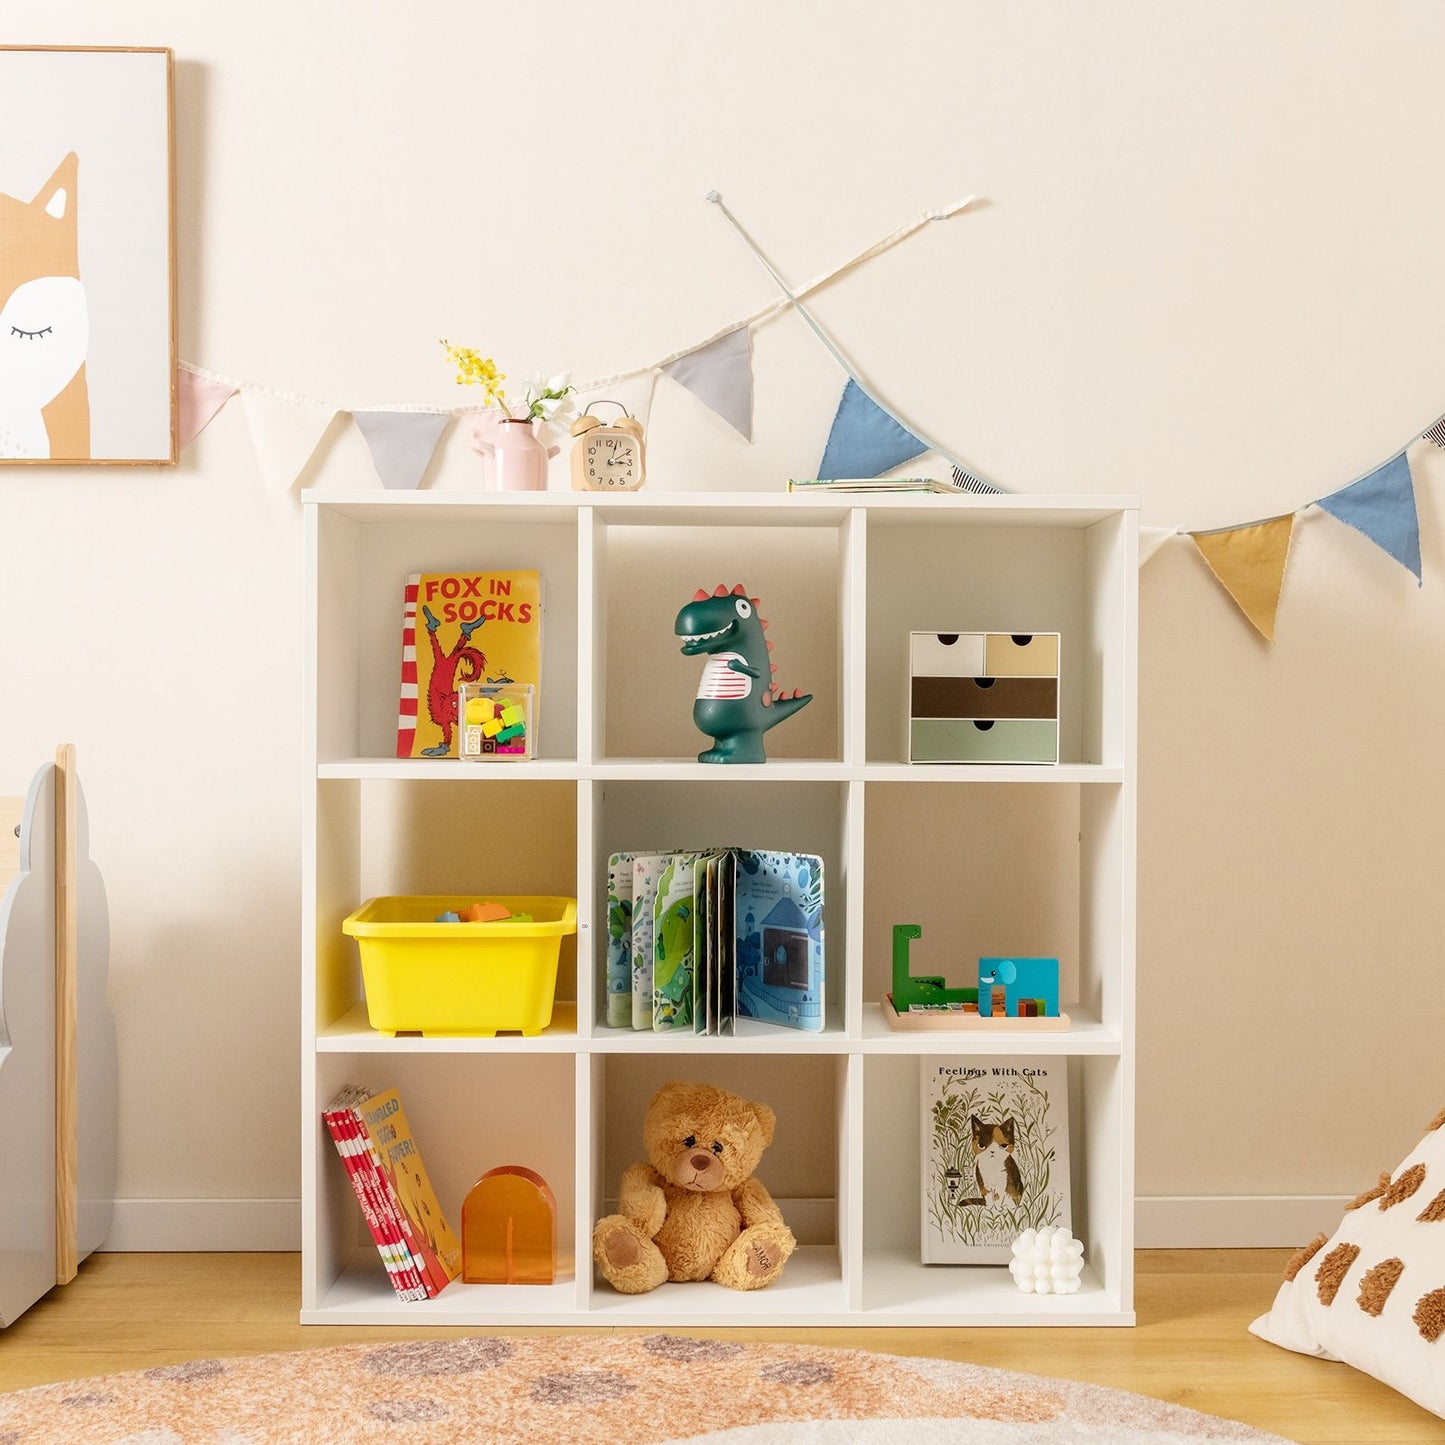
(695, 1211)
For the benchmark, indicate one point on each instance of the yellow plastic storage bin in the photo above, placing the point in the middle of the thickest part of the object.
(459, 978)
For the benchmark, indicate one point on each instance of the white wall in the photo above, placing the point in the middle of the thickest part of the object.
(1207, 273)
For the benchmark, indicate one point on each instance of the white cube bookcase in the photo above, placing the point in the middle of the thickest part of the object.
(989, 858)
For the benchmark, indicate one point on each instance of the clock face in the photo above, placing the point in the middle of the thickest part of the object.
(610, 460)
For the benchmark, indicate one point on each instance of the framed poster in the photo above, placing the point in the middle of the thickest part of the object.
(87, 257)
(995, 1154)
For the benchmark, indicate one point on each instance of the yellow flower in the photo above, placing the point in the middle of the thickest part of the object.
(474, 369)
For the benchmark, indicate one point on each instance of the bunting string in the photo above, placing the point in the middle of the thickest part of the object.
(866, 439)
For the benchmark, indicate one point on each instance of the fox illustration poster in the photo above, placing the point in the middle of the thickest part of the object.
(44, 324)
(88, 370)
(463, 627)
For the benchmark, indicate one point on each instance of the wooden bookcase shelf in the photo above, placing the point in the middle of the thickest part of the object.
(987, 858)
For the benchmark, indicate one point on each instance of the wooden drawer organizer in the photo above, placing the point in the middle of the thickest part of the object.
(983, 697)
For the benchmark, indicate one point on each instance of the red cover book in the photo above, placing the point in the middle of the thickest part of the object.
(354, 1147)
(408, 1189)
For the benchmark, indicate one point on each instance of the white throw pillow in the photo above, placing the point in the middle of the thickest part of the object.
(1373, 1294)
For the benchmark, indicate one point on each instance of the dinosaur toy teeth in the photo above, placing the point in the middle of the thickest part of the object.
(693, 641)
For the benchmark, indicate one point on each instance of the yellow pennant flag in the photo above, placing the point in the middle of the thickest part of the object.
(1249, 563)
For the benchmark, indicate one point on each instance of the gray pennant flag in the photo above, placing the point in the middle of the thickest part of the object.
(720, 375)
(402, 443)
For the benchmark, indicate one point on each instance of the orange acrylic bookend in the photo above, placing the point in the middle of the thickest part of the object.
(509, 1229)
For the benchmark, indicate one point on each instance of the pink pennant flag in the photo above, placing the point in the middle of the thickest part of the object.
(199, 400)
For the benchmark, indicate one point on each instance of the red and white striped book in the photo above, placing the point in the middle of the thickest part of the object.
(406, 710)
(353, 1143)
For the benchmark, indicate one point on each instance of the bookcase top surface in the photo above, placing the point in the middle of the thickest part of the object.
(660, 508)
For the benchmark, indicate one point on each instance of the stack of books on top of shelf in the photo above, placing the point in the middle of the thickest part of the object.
(371, 1133)
(881, 484)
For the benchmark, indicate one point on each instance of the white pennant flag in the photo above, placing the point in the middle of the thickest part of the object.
(285, 432)
(720, 375)
(401, 443)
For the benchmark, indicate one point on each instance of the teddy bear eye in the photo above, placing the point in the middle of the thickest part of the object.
(716, 1147)
(690, 1141)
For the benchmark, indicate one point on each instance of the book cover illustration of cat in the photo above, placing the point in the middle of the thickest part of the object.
(463, 627)
(995, 1155)
(44, 324)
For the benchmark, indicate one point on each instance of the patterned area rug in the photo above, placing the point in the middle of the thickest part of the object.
(592, 1390)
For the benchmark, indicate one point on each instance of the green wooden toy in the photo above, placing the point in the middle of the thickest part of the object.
(921, 993)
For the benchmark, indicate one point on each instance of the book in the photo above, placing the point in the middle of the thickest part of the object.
(404, 1184)
(364, 1175)
(646, 874)
(619, 940)
(995, 1154)
(714, 936)
(464, 627)
(673, 936)
(777, 915)
(883, 484)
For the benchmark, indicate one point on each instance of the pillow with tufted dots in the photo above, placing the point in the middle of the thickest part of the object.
(1373, 1294)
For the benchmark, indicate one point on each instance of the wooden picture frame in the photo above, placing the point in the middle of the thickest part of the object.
(87, 257)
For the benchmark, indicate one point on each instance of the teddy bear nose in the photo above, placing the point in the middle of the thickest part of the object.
(700, 1161)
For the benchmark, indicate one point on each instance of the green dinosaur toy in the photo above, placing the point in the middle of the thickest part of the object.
(925, 991)
(737, 701)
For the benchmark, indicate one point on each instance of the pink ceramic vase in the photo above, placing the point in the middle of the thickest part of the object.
(516, 459)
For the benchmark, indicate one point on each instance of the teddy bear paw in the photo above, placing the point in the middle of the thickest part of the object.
(756, 1258)
(629, 1261)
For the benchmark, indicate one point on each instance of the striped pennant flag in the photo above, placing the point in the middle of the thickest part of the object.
(970, 482)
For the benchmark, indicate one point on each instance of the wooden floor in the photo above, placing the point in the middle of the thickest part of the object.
(1191, 1346)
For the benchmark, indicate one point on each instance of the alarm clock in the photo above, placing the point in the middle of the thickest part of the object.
(607, 456)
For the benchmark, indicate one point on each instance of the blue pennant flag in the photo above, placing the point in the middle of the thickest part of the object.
(1382, 506)
(865, 441)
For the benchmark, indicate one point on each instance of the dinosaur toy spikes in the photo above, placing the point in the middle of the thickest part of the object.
(737, 701)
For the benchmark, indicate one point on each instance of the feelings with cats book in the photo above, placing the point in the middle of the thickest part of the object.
(995, 1154)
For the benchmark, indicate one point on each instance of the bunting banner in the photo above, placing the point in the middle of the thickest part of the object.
(1249, 562)
(402, 443)
(864, 440)
(285, 432)
(1382, 507)
(198, 399)
(720, 375)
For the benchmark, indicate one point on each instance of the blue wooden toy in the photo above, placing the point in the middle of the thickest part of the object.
(1023, 979)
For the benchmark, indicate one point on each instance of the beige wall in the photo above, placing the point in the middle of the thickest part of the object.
(1208, 273)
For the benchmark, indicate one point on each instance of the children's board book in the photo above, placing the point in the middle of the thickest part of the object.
(402, 1188)
(646, 874)
(463, 627)
(619, 940)
(712, 936)
(995, 1153)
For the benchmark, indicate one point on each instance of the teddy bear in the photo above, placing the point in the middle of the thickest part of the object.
(694, 1210)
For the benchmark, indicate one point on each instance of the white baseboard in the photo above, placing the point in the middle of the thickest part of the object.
(1237, 1221)
(1234, 1221)
(207, 1226)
